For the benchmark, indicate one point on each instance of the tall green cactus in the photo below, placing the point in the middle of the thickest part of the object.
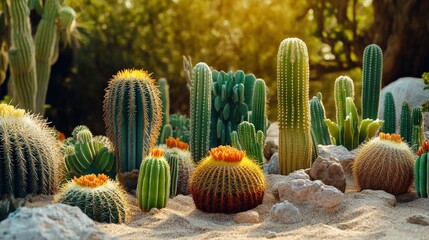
(344, 87)
(389, 114)
(166, 129)
(259, 106)
(132, 115)
(200, 111)
(371, 80)
(421, 171)
(318, 124)
(406, 125)
(293, 108)
(246, 138)
(153, 188)
(417, 137)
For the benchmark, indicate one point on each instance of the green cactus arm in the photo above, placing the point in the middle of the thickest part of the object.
(363, 127)
(167, 131)
(318, 125)
(348, 133)
(234, 140)
(389, 115)
(251, 141)
(344, 88)
(371, 80)
(334, 130)
(373, 128)
(354, 121)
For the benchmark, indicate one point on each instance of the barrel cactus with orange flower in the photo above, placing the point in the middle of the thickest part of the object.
(153, 185)
(421, 170)
(227, 181)
(100, 198)
(385, 163)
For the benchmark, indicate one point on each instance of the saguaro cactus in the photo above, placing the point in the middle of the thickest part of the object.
(132, 115)
(200, 111)
(371, 80)
(293, 108)
(389, 114)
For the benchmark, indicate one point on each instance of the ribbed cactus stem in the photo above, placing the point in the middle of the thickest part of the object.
(200, 111)
(371, 80)
(259, 106)
(251, 141)
(318, 124)
(165, 98)
(389, 114)
(343, 88)
(249, 85)
(406, 125)
(293, 108)
(417, 137)
(421, 170)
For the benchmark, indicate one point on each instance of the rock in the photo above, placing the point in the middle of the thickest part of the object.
(418, 219)
(272, 167)
(405, 89)
(285, 212)
(316, 193)
(273, 133)
(154, 211)
(271, 234)
(387, 197)
(247, 217)
(129, 180)
(57, 221)
(299, 174)
(329, 171)
(344, 156)
(270, 148)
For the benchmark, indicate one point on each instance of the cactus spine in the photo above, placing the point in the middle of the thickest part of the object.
(259, 105)
(389, 114)
(153, 187)
(250, 141)
(132, 115)
(200, 111)
(318, 124)
(421, 170)
(417, 137)
(371, 80)
(293, 116)
(406, 126)
(344, 87)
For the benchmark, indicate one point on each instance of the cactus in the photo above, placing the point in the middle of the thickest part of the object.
(318, 125)
(30, 159)
(166, 132)
(227, 182)
(314, 146)
(153, 187)
(100, 198)
(181, 125)
(417, 137)
(344, 87)
(132, 115)
(293, 108)
(187, 68)
(384, 163)
(389, 114)
(371, 80)
(421, 170)
(181, 165)
(85, 154)
(246, 138)
(200, 111)
(259, 105)
(165, 99)
(406, 125)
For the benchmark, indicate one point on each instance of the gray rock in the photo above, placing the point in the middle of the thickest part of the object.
(418, 219)
(329, 171)
(247, 217)
(387, 197)
(344, 156)
(272, 167)
(299, 174)
(57, 221)
(271, 234)
(270, 148)
(285, 212)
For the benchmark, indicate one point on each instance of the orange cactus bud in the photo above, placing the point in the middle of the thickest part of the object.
(392, 137)
(176, 143)
(91, 180)
(227, 154)
(156, 152)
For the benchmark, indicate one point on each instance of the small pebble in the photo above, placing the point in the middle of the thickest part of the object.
(418, 219)
(271, 234)
(154, 211)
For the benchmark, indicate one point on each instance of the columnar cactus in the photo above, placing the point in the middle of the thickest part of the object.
(259, 106)
(227, 182)
(153, 187)
(293, 108)
(200, 111)
(30, 159)
(166, 132)
(344, 87)
(318, 124)
(421, 171)
(132, 115)
(406, 124)
(371, 80)
(100, 198)
(250, 141)
(417, 137)
(389, 114)
(165, 99)
(391, 155)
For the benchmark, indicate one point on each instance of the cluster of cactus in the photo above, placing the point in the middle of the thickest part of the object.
(318, 125)
(252, 142)
(349, 130)
(8, 204)
(153, 186)
(181, 165)
(132, 115)
(30, 159)
(227, 182)
(100, 198)
(411, 125)
(390, 154)
(30, 59)
(421, 171)
(295, 144)
(85, 154)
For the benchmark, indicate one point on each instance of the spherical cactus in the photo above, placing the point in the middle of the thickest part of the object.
(100, 198)
(153, 186)
(384, 163)
(421, 170)
(227, 182)
(30, 160)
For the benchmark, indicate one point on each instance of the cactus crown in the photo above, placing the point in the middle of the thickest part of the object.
(391, 137)
(176, 143)
(127, 74)
(227, 154)
(424, 148)
(91, 180)
(157, 153)
(7, 110)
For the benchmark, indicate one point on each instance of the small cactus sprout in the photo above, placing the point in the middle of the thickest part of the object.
(421, 170)
(227, 182)
(100, 198)
(153, 186)
(384, 163)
